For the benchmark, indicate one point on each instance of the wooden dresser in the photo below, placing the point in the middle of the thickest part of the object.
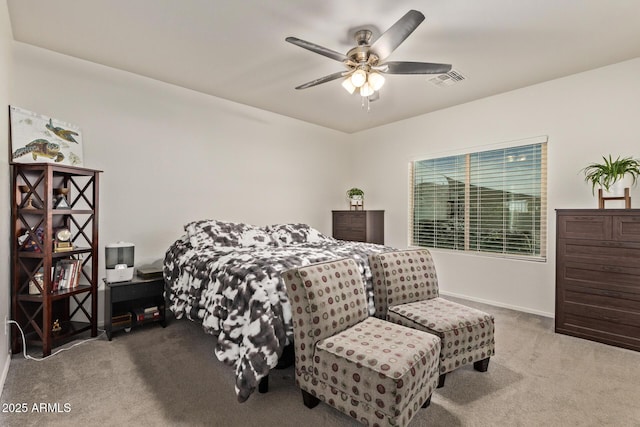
(598, 275)
(359, 226)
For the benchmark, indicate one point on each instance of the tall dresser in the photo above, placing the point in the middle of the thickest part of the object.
(598, 275)
(359, 226)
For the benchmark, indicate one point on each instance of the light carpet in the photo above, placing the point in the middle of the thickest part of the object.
(156, 376)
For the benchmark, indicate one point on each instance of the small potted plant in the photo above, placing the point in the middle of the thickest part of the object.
(356, 197)
(613, 176)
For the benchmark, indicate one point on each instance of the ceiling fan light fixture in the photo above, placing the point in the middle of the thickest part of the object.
(366, 90)
(348, 86)
(358, 78)
(375, 80)
(367, 62)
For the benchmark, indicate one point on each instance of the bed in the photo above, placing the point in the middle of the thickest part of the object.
(227, 276)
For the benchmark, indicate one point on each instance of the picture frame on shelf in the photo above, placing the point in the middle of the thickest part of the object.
(36, 138)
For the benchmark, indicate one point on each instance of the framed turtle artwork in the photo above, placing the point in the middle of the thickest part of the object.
(39, 139)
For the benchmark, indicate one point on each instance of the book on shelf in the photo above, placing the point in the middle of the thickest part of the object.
(77, 272)
(121, 320)
(141, 314)
(56, 277)
(66, 274)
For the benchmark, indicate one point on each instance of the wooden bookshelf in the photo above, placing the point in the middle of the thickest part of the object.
(34, 223)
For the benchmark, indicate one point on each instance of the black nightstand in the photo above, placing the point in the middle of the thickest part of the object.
(125, 304)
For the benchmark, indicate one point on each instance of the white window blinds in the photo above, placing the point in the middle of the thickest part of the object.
(490, 201)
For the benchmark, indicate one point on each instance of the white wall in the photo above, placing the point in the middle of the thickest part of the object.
(585, 116)
(172, 155)
(6, 63)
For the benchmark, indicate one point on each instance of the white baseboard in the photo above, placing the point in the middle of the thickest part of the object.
(499, 304)
(5, 371)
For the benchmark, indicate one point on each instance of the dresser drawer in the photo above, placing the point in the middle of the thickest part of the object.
(606, 331)
(604, 318)
(349, 220)
(592, 227)
(601, 298)
(626, 228)
(611, 253)
(351, 236)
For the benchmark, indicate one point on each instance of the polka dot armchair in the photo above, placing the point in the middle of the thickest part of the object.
(375, 371)
(406, 292)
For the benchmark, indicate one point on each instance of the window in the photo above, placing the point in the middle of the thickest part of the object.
(489, 201)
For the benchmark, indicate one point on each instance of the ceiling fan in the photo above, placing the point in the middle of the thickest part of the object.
(366, 62)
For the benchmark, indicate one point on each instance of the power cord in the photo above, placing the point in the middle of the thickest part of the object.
(24, 344)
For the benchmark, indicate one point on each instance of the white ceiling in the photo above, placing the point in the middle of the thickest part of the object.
(235, 49)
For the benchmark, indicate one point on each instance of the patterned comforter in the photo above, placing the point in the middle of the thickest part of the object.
(238, 295)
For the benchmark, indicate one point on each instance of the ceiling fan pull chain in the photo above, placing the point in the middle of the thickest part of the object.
(362, 99)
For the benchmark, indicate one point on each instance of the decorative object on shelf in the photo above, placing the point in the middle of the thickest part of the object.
(60, 198)
(36, 138)
(614, 177)
(31, 241)
(356, 198)
(39, 279)
(29, 203)
(62, 242)
(56, 326)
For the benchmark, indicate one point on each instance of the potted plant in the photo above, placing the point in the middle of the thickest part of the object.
(612, 175)
(355, 195)
(354, 192)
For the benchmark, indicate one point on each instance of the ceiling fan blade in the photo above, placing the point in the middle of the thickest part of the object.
(396, 34)
(318, 49)
(401, 67)
(324, 79)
